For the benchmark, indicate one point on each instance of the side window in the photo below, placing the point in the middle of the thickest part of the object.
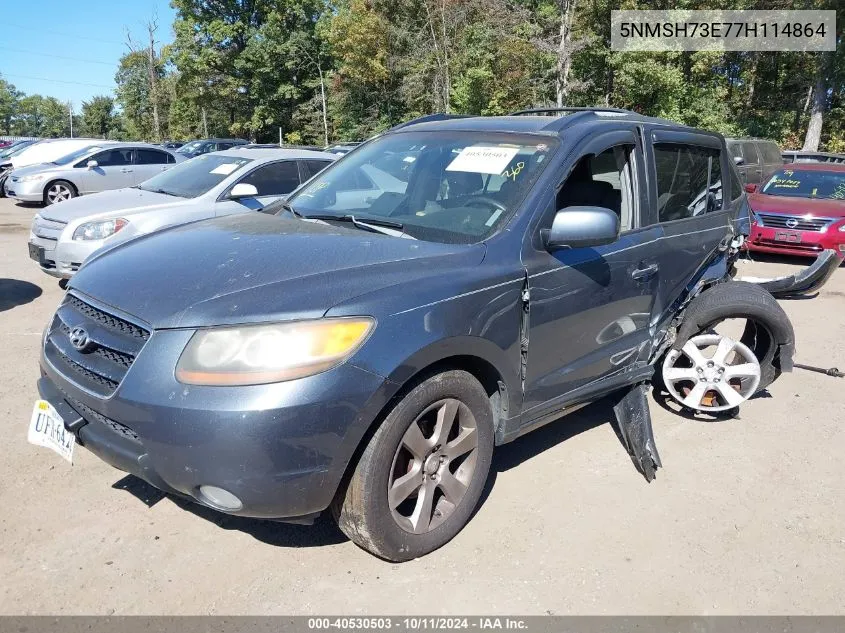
(151, 157)
(314, 167)
(222, 146)
(749, 153)
(605, 180)
(171, 159)
(274, 179)
(771, 153)
(113, 157)
(689, 180)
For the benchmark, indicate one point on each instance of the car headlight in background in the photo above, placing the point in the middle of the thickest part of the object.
(260, 354)
(99, 230)
(32, 178)
(756, 219)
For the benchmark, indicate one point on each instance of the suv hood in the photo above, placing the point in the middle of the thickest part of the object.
(251, 268)
(122, 201)
(819, 207)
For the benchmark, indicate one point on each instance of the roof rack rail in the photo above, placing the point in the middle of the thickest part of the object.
(439, 116)
(553, 110)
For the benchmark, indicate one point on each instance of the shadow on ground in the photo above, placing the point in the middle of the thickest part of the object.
(14, 292)
(325, 531)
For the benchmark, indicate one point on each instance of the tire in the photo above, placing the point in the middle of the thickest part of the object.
(768, 331)
(374, 520)
(59, 191)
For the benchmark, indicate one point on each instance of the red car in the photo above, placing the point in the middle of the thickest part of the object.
(799, 210)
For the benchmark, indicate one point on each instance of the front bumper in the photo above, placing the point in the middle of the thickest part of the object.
(808, 243)
(62, 258)
(281, 449)
(32, 191)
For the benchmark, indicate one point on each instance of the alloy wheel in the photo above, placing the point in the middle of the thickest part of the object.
(58, 193)
(711, 381)
(433, 466)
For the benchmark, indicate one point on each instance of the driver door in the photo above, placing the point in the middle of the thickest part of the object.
(114, 170)
(590, 308)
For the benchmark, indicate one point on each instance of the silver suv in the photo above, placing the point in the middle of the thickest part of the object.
(100, 167)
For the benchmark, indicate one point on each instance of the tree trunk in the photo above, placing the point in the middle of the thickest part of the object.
(564, 55)
(151, 27)
(752, 79)
(814, 129)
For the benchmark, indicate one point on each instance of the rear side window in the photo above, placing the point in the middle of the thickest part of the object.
(689, 180)
(735, 149)
(274, 179)
(150, 157)
(749, 153)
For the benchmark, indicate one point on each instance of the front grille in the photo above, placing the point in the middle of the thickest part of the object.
(793, 222)
(113, 345)
(89, 414)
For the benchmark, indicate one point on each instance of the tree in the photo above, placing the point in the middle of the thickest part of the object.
(9, 98)
(98, 117)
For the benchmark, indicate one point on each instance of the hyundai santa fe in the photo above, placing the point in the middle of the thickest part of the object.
(362, 350)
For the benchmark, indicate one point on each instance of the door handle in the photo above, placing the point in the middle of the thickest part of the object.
(125, 171)
(643, 274)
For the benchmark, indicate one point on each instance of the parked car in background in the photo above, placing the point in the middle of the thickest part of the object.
(800, 156)
(755, 158)
(42, 151)
(4, 144)
(342, 148)
(172, 144)
(205, 146)
(109, 165)
(367, 352)
(15, 148)
(799, 210)
(222, 183)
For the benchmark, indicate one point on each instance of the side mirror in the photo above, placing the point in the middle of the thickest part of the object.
(580, 227)
(92, 164)
(739, 160)
(243, 190)
(750, 187)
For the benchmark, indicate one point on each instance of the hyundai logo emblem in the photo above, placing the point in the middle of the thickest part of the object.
(79, 338)
(792, 223)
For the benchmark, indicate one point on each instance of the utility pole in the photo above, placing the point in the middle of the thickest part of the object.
(70, 116)
(149, 51)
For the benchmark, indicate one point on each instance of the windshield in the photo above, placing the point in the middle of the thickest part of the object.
(14, 150)
(806, 184)
(74, 156)
(451, 187)
(194, 177)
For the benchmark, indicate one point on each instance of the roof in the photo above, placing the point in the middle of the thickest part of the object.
(736, 139)
(274, 154)
(551, 121)
(837, 167)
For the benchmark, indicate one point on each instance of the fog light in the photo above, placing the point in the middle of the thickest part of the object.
(219, 498)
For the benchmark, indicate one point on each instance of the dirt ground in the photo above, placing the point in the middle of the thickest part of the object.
(746, 516)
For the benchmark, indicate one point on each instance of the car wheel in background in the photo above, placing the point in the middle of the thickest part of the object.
(58, 191)
(422, 473)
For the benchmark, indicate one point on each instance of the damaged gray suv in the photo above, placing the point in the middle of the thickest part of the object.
(361, 349)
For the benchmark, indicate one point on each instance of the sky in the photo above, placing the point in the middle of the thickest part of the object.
(70, 50)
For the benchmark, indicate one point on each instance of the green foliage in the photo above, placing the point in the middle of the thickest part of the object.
(98, 118)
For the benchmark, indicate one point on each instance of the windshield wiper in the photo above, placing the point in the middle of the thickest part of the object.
(287, 206)
(374, 225)
(162, 191)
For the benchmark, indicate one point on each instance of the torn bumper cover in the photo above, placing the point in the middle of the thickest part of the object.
(808, 281)
(634, 420)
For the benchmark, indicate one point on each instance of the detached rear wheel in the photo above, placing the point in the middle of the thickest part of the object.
(423, 472)
(59, 191)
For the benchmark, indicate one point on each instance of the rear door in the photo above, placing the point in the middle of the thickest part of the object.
(114, 170)
(693, 209)
(149, 162)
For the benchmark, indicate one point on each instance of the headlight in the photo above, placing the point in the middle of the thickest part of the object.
(32, 178)
(99, 230)
(756, 219)
(259, 354)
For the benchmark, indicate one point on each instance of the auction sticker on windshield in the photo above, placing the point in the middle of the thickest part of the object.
(46, 428)
(225, 169)
(480, 159)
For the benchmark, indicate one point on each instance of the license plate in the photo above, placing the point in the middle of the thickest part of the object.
(46, 428)
(788, 236)
(36, 252)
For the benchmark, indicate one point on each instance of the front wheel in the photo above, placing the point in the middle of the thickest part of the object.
(58, 191)
(422, 473)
